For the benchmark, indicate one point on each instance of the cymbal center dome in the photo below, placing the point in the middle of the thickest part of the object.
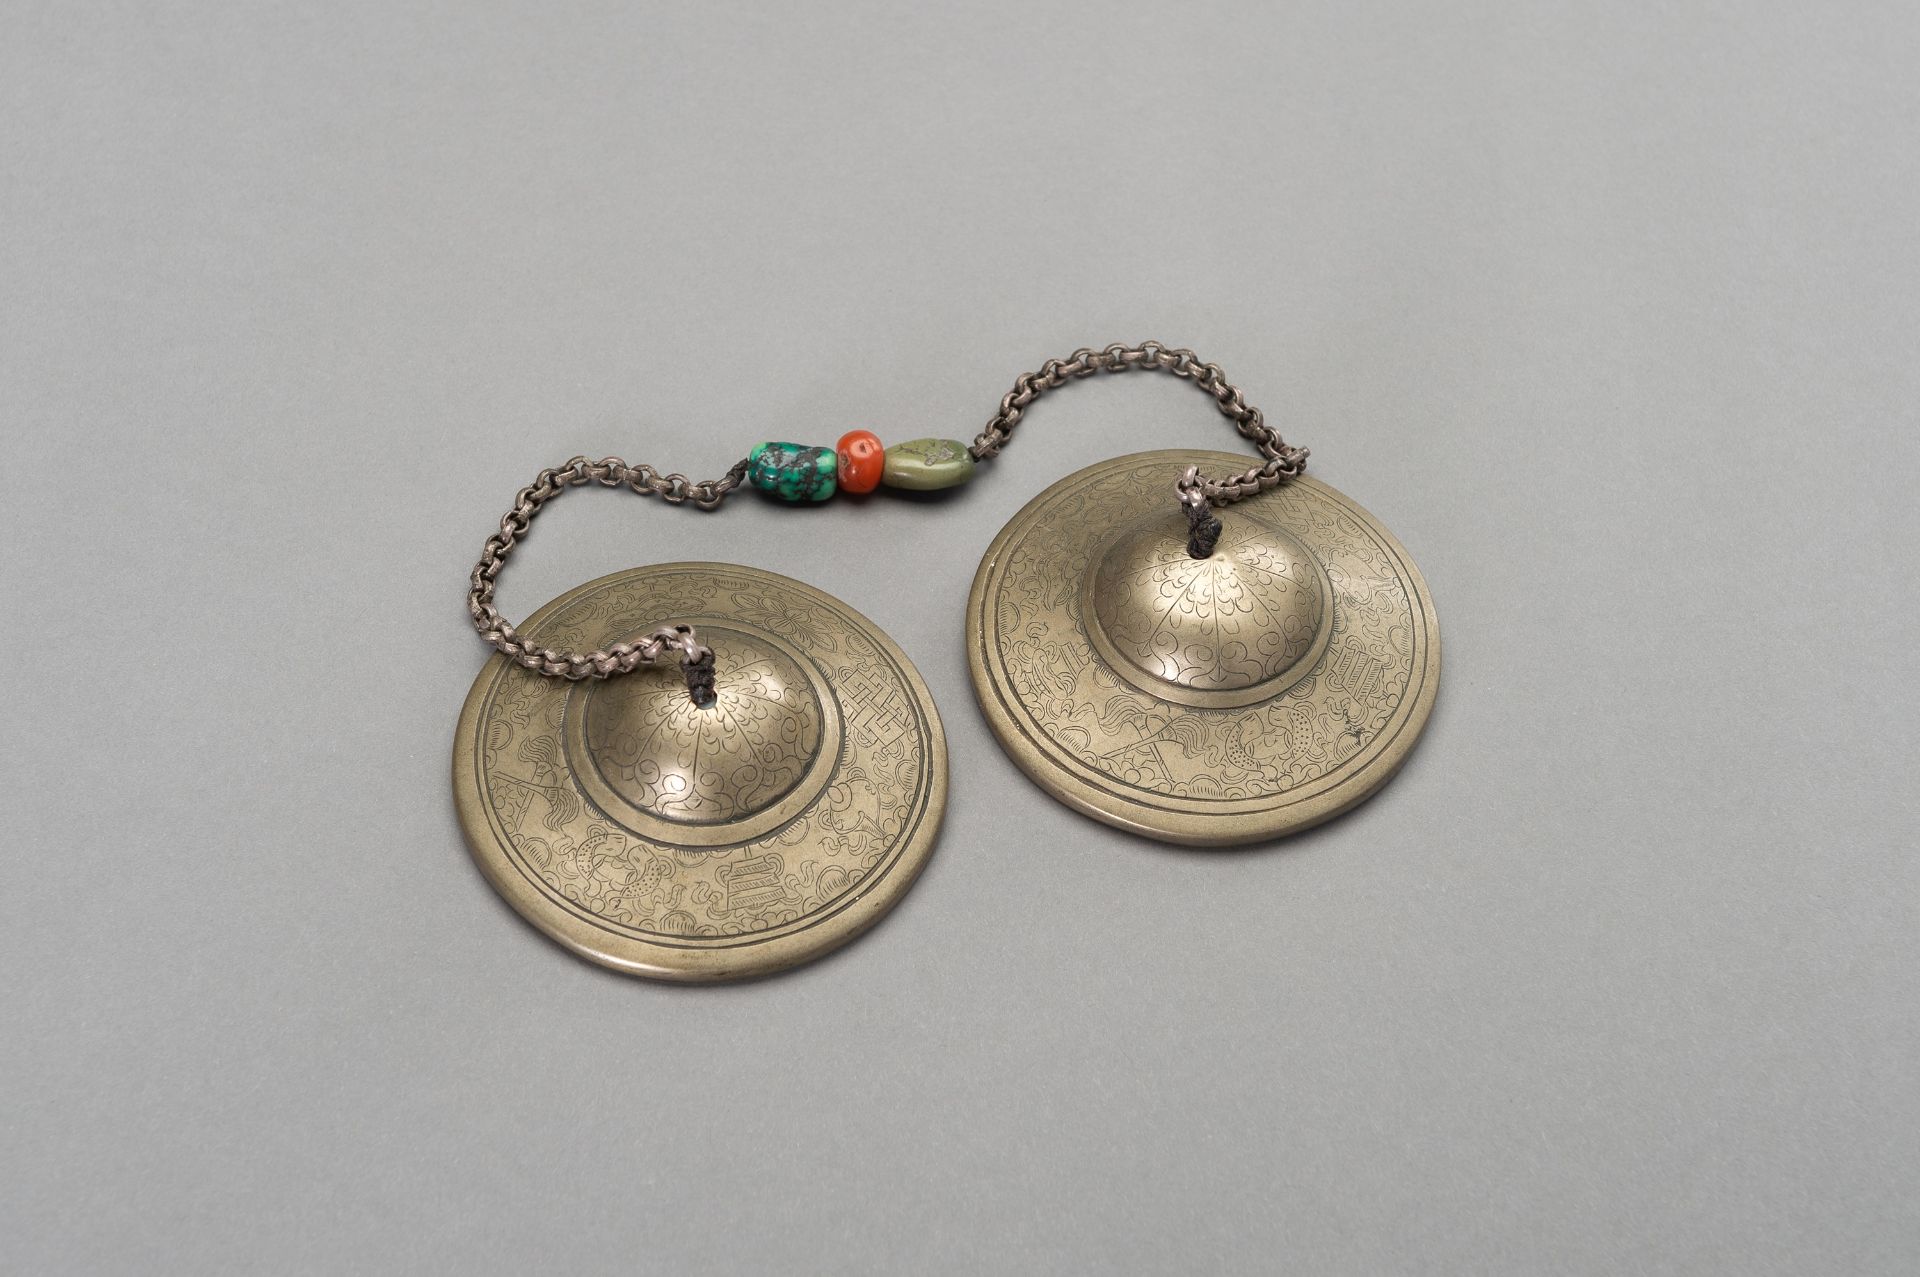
(700, 766)
(1254, 615)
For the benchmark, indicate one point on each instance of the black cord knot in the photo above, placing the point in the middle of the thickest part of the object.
(699, 673)
(1203, 530)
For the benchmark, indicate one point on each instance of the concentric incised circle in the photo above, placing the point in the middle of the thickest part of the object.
(686, 843)
(1237, 627)
(1225, 700)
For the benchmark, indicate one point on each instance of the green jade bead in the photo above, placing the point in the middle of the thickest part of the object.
(925, 465)
(792, 472)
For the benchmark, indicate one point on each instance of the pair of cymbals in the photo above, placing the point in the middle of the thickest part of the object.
(1205, 701)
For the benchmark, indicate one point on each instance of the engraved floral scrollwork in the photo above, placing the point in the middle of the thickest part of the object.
(708, 767)
(1239, 618)
(683, 762)
(1230, 621)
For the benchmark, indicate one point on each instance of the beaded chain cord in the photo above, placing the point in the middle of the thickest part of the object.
(859, 463)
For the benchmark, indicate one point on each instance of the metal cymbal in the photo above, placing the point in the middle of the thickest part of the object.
(690, 844)
(1210, 701)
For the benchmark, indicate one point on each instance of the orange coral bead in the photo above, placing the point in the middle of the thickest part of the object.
(863, 459)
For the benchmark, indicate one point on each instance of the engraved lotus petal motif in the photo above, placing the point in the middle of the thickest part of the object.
(669, 758)
(1241, 618)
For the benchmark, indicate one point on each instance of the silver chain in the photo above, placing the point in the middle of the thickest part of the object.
(621, 658)
(1283, 460)
(1195, 490)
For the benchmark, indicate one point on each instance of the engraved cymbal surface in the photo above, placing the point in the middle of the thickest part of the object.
(693, 844)
(680, 762)
(1231, 621)
(1230, 629)
(1218, 701)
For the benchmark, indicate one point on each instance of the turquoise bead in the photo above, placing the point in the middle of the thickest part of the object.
(925, 465)
(792, 472)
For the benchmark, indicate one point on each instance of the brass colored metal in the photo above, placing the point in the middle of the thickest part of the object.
(1235, 628)
(1212, 701)
(698, 844)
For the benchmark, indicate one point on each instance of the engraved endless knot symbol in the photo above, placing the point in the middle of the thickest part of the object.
(875, 714)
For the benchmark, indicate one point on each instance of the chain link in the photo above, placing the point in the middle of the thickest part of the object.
(1283, 460)
(695, 657)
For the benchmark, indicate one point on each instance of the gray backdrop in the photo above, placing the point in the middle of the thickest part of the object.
(1609, 312)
